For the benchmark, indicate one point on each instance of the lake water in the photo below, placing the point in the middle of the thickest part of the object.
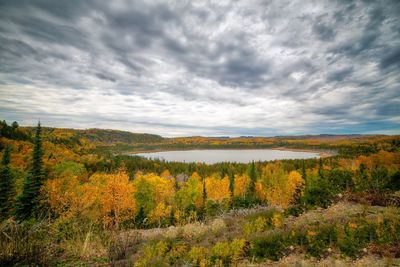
(224, 155)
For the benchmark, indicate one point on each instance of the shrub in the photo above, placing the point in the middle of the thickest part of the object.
(212, 208)
(255, 226)
(226, 253)
(317, 195)
(177, 253)
(153, 254)
(122, 246)
(318, 240)
(29, 243)
(244, 202)
(270, 246)
(198, 256)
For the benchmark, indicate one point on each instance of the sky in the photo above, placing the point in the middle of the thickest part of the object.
(211, 68)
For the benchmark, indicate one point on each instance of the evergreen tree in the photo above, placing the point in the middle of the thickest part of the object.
(252, 172)
(204, 193)
(140, 218)
(232, 184)
(303, 171)
(171, 218)
(321, 169)
(29, 200)
(7, 189)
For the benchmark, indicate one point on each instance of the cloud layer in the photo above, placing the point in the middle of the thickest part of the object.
(203, 67)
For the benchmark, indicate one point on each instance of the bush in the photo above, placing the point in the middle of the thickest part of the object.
(353, 238)
(245, 202)
(317, 196)
(319, 240)
(153, 254)
(29, 243)
(122, 246)
(228, 254)
(270, 246)
(198, 256)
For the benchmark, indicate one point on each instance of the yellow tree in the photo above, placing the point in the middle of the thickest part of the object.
(190, 193)
(217, 189)
(155, 194)
(241, 184)
(117, 200)
(276, 186)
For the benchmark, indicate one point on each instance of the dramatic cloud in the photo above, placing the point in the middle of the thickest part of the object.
(202, 67)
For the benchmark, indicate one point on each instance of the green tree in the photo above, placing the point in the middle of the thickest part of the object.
(232, 184)
(252, 172)
(29, 201)
(321, 169)
(202, 209)
(7, 188)
(204, 195)
(140, 219)
(303, 171)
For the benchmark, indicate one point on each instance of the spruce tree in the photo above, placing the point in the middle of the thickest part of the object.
(6, 185)
(140, 218)
(252, 172)
(232, 184)
(321, 169)
(29, 201)
(204, 195)
(303, 171)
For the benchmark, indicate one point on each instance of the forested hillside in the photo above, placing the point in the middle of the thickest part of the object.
(107, 208)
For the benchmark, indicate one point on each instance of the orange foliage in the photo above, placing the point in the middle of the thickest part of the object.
(117, 200)
(106, 198)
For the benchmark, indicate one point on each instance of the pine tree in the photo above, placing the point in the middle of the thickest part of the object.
(171, 218)
(140, 218)
(252, 172)
(29, 201)
(303, 171)
(7, 189)
(204, 195)
(321, 169)
(232, 184)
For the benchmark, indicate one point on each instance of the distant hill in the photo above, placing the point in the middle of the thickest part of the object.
(108, 137)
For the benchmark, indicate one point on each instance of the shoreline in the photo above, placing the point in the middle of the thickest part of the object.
(321, 154)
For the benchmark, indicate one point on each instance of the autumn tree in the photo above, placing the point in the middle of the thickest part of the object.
(189, 197)
(29, 200)
(7, 189)
(154, 195)
(117, 200)
(278, 187)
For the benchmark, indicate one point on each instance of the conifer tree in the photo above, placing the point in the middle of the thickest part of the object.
(29, 200)
(232, 184)
(321, 169)
(204, 195)
(252, 172)
(6, 185)
(303, 171)
(140, 218)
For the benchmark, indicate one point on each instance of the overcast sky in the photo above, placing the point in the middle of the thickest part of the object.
(202, 67)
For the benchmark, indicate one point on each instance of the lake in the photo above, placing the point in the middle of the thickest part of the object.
(210, 156)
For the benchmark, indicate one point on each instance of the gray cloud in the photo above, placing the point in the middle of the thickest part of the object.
(213, 67)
